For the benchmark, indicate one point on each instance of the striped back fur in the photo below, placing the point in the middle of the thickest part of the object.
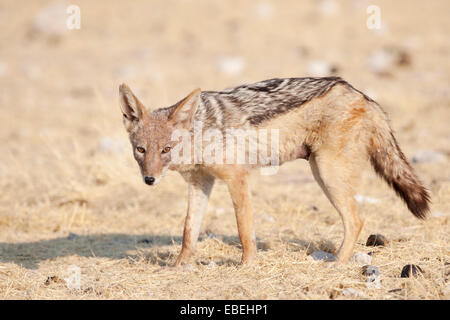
(252, 104)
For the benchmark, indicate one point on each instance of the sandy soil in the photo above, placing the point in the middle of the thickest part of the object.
(71, 193)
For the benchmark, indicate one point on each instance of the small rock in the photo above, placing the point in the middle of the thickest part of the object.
(27, 293)
(211, 265)
(88, 290)
(361, 258)
(320, 68)
(72, 236)
(328, 7)
(369, 270)
(350, 292)
(411, 270)
(381, 61)
(373, 282)
(404, 58)
(334, 294)
(264, 10)
(231, 65)
(322, 255)
(363, 199)
(376, 240)
(429, 156)
(52, 279)
(50, 21)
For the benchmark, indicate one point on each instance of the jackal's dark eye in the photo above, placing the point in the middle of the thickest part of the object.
(166, 149)
(140, 149)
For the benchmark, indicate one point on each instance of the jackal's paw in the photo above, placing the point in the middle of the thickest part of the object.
(183, 259)
(248, 260)
(334, 265)
(176, 268)
(183, 266)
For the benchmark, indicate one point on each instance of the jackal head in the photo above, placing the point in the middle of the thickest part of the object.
(151, 132)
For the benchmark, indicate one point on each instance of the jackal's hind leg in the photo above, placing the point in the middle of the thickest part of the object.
(240, 195)
(333, 175)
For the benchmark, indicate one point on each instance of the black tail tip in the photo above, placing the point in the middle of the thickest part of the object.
(419, 204)
(415, 196)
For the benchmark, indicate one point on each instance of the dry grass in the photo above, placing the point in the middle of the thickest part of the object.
(59, 101)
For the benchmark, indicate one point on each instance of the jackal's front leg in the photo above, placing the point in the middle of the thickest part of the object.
(237, 181)
(200, 186)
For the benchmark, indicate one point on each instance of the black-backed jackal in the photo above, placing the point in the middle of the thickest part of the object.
(323, 120)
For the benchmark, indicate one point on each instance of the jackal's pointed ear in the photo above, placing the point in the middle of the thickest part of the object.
(182, 115)
(132, 109)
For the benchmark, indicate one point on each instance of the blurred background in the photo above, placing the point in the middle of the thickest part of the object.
(66, 166)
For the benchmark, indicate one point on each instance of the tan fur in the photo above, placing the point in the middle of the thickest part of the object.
(337, 128)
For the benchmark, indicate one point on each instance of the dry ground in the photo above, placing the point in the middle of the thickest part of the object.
(66, 167)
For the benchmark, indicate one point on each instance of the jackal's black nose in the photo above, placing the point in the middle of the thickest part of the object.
(149, 180)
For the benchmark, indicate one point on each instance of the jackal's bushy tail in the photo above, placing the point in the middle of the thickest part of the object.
(390, 163)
